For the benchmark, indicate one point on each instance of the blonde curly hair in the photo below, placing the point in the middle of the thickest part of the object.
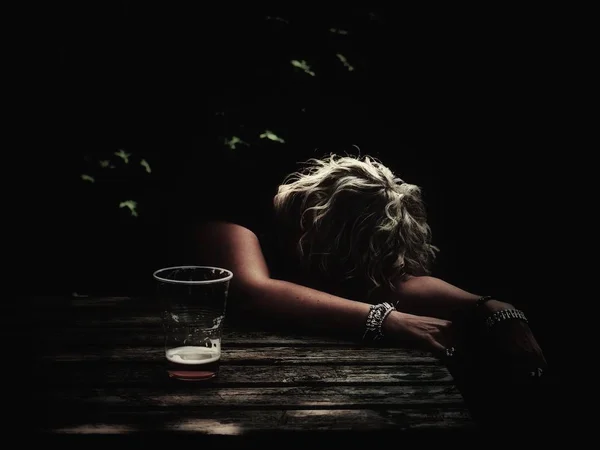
(356, 220)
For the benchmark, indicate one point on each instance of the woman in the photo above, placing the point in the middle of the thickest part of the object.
(351, 255)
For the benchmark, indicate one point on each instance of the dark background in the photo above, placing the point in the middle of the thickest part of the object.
(470, 105)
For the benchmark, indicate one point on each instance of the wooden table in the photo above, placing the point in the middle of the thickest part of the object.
(102, 361)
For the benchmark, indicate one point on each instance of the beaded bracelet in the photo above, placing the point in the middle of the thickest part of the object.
(377, 314)
(499, 316)
(505, 314)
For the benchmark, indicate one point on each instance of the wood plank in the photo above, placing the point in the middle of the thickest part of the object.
(110, 319)
(153, 336)
(240, 422)
(111, 301)
(55, 302)
(145, 375)
(260, 355)
(282, 383)
(186, 395)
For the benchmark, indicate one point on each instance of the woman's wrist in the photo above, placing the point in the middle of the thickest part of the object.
(389, 325)
(493, 305)
(396, 325)
(377, 316)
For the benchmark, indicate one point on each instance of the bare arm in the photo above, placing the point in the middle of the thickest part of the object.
(255, 294)
(430, 296)
(434, 297)
(238, 249)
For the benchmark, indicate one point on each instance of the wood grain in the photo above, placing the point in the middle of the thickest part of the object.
(153, 336)
(142, 375)
(258, 355)
(101, 371)
(242, 422)
(232, 398)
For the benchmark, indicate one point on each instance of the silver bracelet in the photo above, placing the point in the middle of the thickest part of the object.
(505, 314)
(377, 314)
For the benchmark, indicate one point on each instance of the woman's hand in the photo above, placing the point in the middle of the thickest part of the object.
(514, 340)
(427, 333)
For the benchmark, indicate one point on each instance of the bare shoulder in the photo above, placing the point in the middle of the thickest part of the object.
(232, 247)
(207, 231)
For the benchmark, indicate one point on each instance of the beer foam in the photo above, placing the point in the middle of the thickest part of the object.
(194, 355)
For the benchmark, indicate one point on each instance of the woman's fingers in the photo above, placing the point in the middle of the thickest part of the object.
(441, 340)
(437, 347)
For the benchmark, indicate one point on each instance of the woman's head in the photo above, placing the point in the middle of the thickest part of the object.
(352, 218)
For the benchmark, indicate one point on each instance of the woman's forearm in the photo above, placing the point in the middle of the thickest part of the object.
(430, 296)
(285, 304)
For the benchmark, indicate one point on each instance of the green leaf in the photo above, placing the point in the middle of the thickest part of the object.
(85, 177)
(231, 143)
(105, 163)
(144, 163)
(303, 65)
(276, 18)
(132, 205)
(123, 155)
(338, 31)
(344, 61)
(271, 136)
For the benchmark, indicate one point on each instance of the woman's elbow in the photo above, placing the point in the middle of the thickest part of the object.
(245, 293)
